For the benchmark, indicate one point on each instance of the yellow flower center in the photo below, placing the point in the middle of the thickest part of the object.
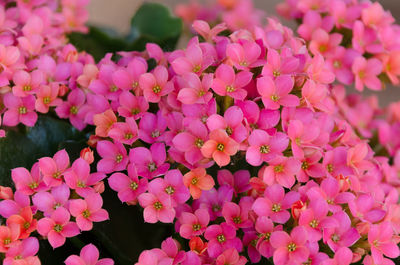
(230, 89)
(314, 223)
(199, 142)
(158, 205)
(119, 158)
(278, 168)
(220, 147)
(170, 190)
(133, 185)
(221, 238)
(276, 207)
(275, 98)
(58, 228)
(152, 167)
(291, 247)
(196, 227)
(157, 89)
(304, 165)
(264, 149)
(86, 213)
(73, 110)
(194, 180)
(22, 110)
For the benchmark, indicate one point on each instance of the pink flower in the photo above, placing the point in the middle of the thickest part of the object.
(78, 177)
(23, 253)
(238, 181)
(276, 93)
(52, 169)
(226, 83)
(343, 256)
(104, 84)
(382, 242)
(232, 123)
(231, 257)
(195, 90)
(152, 127)
(220, 147)
(194, 60)
(302, 136)
(88, 211)
(46, 97)
(155, 85)
(366, 72)
(193, 225)
(275, 203)
(277, 65)
(8, 236)
(70, 108)
(265, 227)
(319, 72)
(214, 200)
(290, 248)
(282, 170)
(263, 147)
(48, 202)
(237, 215)
(324, 43)
(10, 206)
(27, 83)
(365, 208)
(28, 182)
(149, 163)
(104, 121)
(172, 185)
(310, 167)
(89, 256)
(129, 187)
(191, 141)
(244, 55)
(57, 227)
(132, 106)
(342, 234)
(157, 207)
(197, 180)
(114, 156)
(221, 237)
(128, 78)
(19, 110)
(203, 28)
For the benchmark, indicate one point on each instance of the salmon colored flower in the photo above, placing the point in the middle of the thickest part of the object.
(198, 180)
(220, 147)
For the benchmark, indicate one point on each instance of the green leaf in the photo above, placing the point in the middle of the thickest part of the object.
(22, 148)
(154, 23)
(98, 42)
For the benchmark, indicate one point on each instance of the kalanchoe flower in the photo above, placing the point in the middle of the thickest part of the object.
(48, 202)
(129, 187)
(157, 207)
(155, 85)
(380, 238)
(88, 211)
(53, 168)
(23, 253)
(220, 147)
(89, 256)
(282, 170)
(71, 108)
(28, 182)
(57, 227)
(25, 220)
(114, 157)
(221, 237)
(275, 93)
(195, 90)
(197, 180)
(8, 236)
(366, 72)
(132, 106)
(231, 257)
(193, 225)
(19, 109)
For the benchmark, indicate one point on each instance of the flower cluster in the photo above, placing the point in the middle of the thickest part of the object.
(358, 39)
(36, 62)
(241, 141)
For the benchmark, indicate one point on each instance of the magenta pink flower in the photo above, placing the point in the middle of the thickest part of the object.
(87, 211)
(172, 185)
(28, 182)
(221, 237)
(231, 257)
(10, 207)
(104, 84)
(193, 224)
(195, 90)
(238, 181)
(57, 227)
(46, 97)
(19, 110)
(277, 65)
(114, 157)
(71, 108)
(265, 227)
(290, 248)
(193, 60)
(89, 256)
(129, 187)
(343, 256)
(214, 200)
(244, 55)
(149, 163)
(155, 85)
(282, 170)
(275, 203)
(191, 141)
(324, 43)
(310, 167)
(128, 78)
(152, 127)
(124, 132)
(227, 83)
(382, 242)
(132, 106)
(220, 147)
(237, 215)
(203, 28)
(78, 177)
(318, 70)
(314, 219)
(263, 147)
(366, 73)
(23, 253)
(232, 123)
(157, 207)
(52, 169)
(48, 202)
(365, 208)
(276, 93)
(302, 136)
(27, 83)
(342, 234)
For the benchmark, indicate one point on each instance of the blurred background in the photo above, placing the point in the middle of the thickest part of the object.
(116, 14)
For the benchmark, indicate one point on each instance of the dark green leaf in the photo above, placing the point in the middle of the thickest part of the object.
(154, 23)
